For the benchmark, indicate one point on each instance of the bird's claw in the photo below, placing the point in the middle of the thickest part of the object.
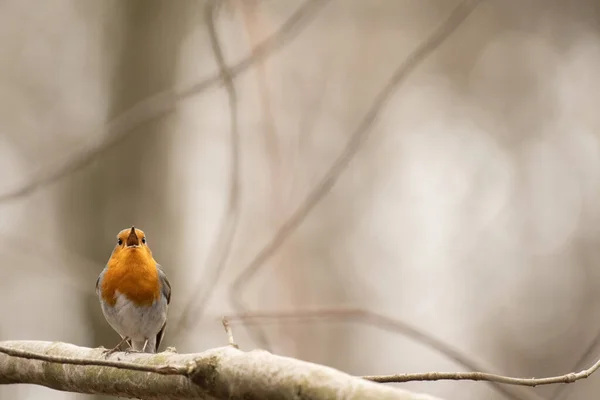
(108, 352)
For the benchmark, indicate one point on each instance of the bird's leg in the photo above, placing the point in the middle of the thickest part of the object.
(131, 350)
(116, 348)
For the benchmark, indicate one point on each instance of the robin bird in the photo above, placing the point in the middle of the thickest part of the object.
(134, 293)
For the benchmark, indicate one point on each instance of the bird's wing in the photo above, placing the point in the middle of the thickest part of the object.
(164, 283)
(159, 336)
(166, 291)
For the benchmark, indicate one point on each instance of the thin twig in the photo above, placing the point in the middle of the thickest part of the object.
(158, 105)
(458, 15)
(484, 376)
(385, 323)
(221, 249)
(579, 364)
(229, 333)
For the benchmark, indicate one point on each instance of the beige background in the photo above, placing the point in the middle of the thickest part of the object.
(471, 211)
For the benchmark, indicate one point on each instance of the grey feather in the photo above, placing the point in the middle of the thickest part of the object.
(164, 283)
(166, 291)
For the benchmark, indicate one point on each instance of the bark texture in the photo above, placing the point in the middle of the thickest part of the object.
(220, 373)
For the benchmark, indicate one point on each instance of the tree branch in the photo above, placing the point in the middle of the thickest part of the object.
(570, 377)
(159, 105)
(221, 373)
(397, 326)
(221, 248)
(357, 138)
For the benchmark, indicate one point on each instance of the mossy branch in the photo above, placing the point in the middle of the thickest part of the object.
(220, 373)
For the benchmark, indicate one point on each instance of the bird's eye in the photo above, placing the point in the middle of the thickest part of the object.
(120, 241)
(144, 240)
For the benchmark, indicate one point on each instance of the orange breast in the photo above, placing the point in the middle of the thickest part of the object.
(133, 274)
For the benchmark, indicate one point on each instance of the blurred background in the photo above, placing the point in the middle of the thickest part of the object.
(453, 226)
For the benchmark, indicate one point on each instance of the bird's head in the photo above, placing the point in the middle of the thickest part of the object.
(132, 240)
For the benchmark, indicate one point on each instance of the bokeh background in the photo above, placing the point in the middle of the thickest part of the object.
(469, 210)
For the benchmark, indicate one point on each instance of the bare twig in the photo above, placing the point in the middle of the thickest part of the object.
(388, 324)
(229, 333)
(483, 376)
(459, 14)
(221, 250)
(579, 364)
(159, 105)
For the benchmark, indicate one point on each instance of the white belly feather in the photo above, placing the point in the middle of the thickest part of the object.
(138, 323)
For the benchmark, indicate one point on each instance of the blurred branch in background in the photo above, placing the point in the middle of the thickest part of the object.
(46, 255)
(194, 307)
(454, 20)
(221, 249)
(159, 105)
(391, 325)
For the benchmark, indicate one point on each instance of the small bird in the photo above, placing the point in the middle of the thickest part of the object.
(134, 293)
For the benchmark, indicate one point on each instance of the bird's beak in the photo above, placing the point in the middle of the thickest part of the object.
(132, 239)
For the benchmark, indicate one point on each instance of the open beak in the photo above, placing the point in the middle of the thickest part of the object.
(132, 239)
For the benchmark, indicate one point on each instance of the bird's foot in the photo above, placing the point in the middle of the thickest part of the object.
(108, 352)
